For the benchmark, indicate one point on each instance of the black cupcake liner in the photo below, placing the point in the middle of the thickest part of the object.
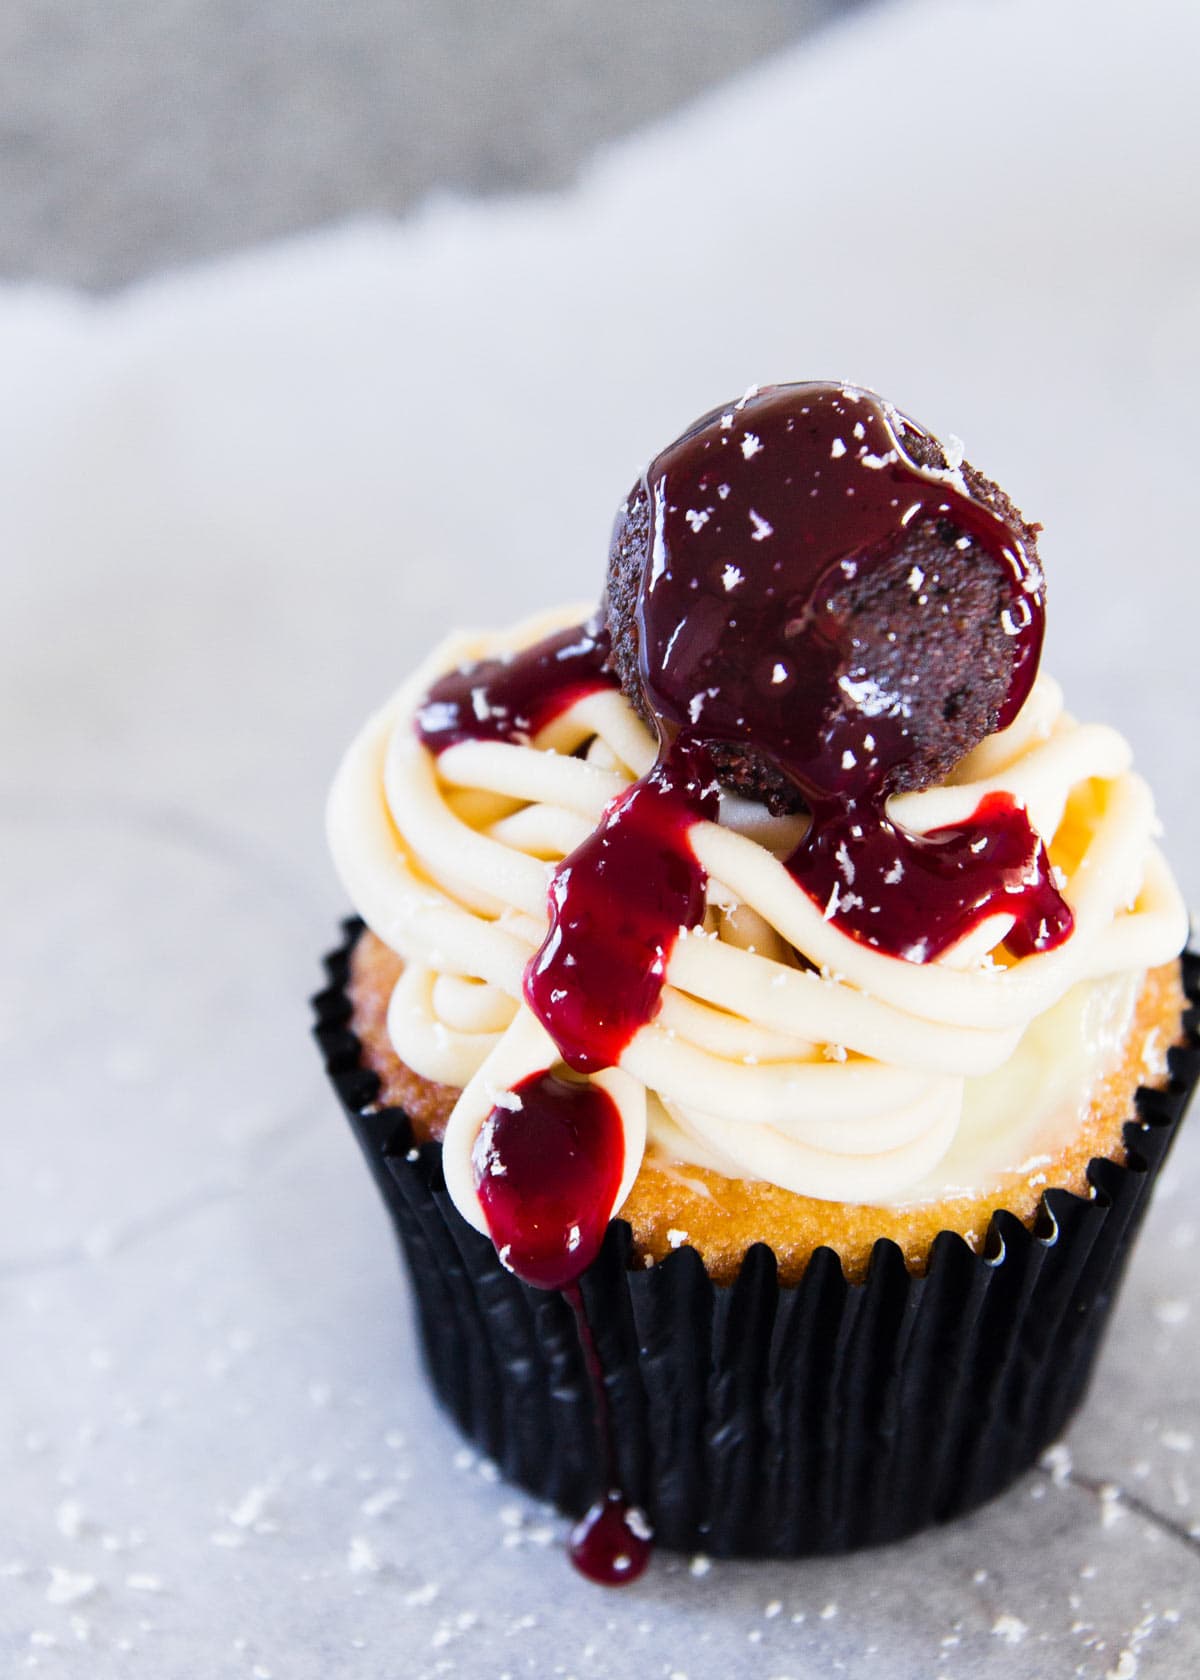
(754, 1418)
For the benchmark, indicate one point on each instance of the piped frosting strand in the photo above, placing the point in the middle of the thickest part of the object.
(801, 1056)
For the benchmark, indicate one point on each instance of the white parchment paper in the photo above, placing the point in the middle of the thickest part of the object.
(235, 506)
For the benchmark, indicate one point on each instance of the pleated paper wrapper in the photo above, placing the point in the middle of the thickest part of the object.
(754, 1418)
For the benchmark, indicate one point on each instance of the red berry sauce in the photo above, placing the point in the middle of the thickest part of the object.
(548, 1169)
(510, 699)
(758, 512)
(616, 907)
(612, 1544)
(915, 895)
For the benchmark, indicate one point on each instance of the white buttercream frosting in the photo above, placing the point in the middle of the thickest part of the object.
(784, 1049)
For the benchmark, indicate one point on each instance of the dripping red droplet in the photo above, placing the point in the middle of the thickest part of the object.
(611, 1545)
(548, 1170)
(548, 1173)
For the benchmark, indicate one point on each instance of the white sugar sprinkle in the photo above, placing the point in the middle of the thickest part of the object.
(1110, 1505)
(362, 1558)
(250, 1507)
(68, 1586)
(1171, 1312)
(377, 1503)
(1009, 1628)
(1057, 1460)
(69, 1519)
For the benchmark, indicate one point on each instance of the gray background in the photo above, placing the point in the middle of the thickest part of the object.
(233, 514)
(135, 134)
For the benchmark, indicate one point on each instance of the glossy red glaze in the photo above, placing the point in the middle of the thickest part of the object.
(511, 699)
(609, 1545)
(548, 1170)
(760, 514)
(915, 895)
(616, 907)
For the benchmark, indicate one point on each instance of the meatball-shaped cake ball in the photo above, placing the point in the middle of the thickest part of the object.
(810, 585)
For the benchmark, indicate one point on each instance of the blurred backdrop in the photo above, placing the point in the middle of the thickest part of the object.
(144, 133)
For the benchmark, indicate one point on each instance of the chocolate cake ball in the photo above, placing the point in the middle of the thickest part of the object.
(875, 602)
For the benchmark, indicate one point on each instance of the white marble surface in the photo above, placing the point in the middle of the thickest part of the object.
(234, 505)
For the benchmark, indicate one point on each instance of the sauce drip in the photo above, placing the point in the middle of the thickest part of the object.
(611, 1545)
(921, 893)
(511, 699)
(549, 1158)
(548, 1165)
(616, 907)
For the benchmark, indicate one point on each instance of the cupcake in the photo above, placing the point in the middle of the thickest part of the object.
(766, 1016)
